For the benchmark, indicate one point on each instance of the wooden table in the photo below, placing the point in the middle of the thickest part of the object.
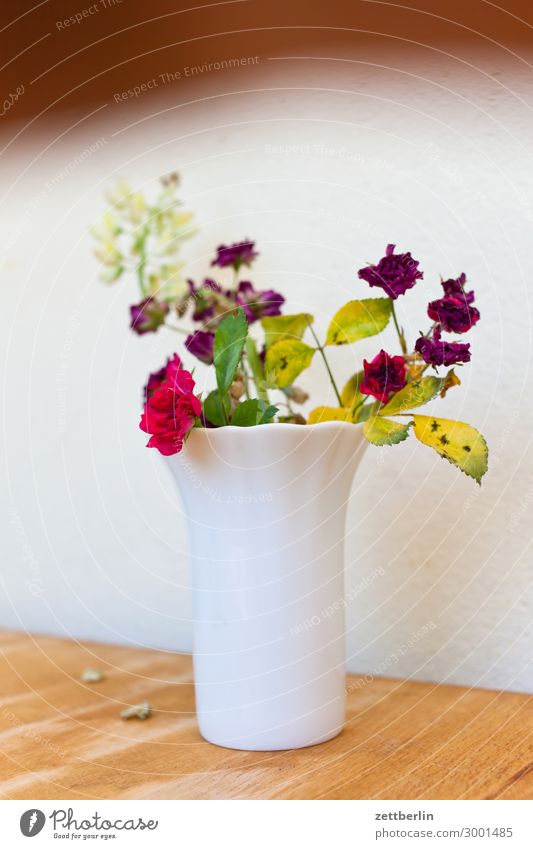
(63, 739)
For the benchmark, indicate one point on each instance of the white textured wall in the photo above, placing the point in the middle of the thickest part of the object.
(323, 167)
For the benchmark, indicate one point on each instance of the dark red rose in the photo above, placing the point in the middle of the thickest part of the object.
(394, 273)
(383, 376)
(201, 345)
(148, 315)
(436, 352)
(453, 314)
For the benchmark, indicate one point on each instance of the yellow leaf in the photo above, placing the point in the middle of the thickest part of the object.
(351, 394)
(359, 319)
(380, 431)
(329, 414)
(279, 327)
(459, 443)
(413, 395)
(285, 360)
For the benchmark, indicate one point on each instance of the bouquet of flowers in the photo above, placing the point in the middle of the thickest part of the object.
(255, 373)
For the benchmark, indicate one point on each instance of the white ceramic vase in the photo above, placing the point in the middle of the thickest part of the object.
(265, 510)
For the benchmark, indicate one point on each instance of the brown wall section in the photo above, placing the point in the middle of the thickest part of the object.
(70, 55)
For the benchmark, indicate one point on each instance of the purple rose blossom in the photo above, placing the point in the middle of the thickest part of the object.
(241, 253)
(454, 315)
(148, 315)
(456, 289)
(383, 376)
(201, 345)
(394, 273)
(257, 304)
(436, 352)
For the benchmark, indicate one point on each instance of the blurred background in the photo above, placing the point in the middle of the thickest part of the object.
(323, 133)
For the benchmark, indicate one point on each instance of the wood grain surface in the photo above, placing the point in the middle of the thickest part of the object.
(63, 739)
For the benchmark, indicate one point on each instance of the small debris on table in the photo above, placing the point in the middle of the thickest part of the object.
(92, 676)
(142, 711)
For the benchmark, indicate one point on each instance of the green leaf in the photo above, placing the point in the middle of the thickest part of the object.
(359, 319)
(329, 414)
(380, 431)
(253, 412)
(268, 411)
(213, 408)
(459, 443)
(285, 360)
(350, 395)
(257, 368)
(230, 337)
(413, 395)
(279, 327)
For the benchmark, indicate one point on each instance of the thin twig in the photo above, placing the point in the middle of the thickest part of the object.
(323, 355)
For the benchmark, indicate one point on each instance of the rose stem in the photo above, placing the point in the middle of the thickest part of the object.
(177, 329)
(401, 337)
(323, 355)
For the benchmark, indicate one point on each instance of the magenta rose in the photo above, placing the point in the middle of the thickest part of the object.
(157, 378)
(171, 411)
(394, 273)
(383, 376)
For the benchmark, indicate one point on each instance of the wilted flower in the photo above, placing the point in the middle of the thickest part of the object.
(454, 314)
(394, 273)
(257, 304)
(241, 253)
(201, 345)
(205, 297)
(383, 376)
(148, 315)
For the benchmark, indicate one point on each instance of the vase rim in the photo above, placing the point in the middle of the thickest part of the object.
(279, 426)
